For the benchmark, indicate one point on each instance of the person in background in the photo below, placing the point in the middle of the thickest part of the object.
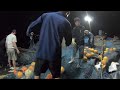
(11, 48)
(77, 40)
(31, 40)
(53, 26)
(88, 39)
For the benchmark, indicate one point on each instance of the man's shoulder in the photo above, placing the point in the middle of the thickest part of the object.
(12, 36)
(9, 35)
(49, 13)
(74, 30)
(91, 33)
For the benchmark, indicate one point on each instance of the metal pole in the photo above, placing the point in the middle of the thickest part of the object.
(89, 26)
(89, 22)
(87, 13)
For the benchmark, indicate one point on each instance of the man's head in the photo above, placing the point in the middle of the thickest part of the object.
(86, 31)
(14, 31)
(32, 33)
(77, 21)
(66, 13)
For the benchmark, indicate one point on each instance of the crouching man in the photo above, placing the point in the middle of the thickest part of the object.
(88, 39)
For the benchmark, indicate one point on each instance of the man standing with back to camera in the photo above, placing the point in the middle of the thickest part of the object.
(11, 48)
(53, 27)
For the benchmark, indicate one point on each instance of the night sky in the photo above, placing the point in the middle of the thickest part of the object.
(108, 21)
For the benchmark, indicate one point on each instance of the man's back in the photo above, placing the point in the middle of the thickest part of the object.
(53, 29)
(91, 34)
(9, 40)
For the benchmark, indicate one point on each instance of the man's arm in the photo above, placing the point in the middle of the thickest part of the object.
(15, 46)
(73, 36)
(91, 37)
(68, 35)
(29, 29)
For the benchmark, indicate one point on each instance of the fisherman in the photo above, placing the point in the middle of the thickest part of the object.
(53, 27)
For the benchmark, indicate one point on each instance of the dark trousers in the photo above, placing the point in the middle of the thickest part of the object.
(90, 45)
(79, 48)
(42, 66)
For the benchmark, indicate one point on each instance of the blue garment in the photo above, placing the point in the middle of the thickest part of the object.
(89, 39)
(52, 27)
(86, 40)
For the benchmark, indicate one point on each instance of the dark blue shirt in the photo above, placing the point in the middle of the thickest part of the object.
(53, 27)
(78, 34)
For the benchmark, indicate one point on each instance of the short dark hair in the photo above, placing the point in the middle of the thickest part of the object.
(14, 30)
(76, 19)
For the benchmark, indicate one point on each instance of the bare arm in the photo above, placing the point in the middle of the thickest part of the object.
(73, 41)
(15, 46)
